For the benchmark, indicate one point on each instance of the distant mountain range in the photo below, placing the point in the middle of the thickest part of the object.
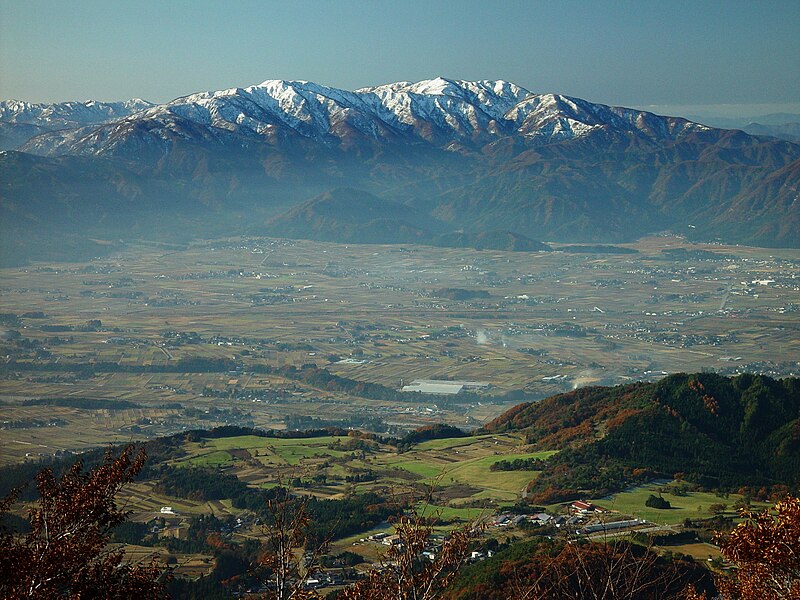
(421, 160)
(785, 126)
(20, 121)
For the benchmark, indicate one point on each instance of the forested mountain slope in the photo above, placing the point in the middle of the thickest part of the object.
(717, 431)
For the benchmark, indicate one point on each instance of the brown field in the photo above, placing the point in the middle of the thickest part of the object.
(552, 321)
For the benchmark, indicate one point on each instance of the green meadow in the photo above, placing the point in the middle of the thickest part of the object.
(458, 470)
(694, 505)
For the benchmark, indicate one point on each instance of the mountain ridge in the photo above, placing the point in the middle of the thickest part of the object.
(472, 157)
(355, 216)
(20, 120)
(438, 111)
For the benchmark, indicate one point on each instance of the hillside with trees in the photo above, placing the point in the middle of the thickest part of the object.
(719, 432)
(65, 553)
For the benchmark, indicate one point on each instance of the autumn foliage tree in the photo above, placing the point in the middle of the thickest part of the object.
(405, 574)
(65, 554)
(765, 548)
(615, 570)
(612, 569)
(286, 553)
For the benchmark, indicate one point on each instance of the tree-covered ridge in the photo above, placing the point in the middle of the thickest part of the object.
(718, 431)
(550, 569)
(431, 432)
(574, 417)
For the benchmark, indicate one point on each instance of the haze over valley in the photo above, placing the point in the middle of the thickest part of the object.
(454, 304)
(439, 161)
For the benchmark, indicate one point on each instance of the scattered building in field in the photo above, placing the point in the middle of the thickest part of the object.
(442, 386)
(391, 540)
(584, 507)
(616, 525)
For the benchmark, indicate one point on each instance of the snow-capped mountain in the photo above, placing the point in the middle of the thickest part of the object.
(20, 121)
(445, 113)
(456, 110)
(475, 158)
(68, 114)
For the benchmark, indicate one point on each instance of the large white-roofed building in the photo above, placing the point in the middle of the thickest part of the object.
(442, 386)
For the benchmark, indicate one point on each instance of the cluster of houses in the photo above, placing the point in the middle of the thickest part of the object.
(322, 579)
(579, 512)
(314, 581)
(384, 538)
(432, 547)
(581, 515)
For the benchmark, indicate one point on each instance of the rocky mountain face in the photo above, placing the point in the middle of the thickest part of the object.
(469, 157)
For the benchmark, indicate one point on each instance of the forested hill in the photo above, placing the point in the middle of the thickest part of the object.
(717, 431)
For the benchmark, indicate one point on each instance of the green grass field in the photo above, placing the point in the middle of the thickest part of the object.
(477, 472)
(217, 458)
(448, 443)
(289, 451)
(458, 469)
(439, 463)
(695, 505)
(418, 467)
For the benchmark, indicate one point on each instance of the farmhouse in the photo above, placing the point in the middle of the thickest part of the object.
(391, 540)
(583, 507)
(541, 518)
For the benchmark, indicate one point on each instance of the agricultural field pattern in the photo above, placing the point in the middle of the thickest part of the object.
(107, 350)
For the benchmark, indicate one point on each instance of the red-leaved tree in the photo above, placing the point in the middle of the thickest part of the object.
(765, 548)
(66, 552)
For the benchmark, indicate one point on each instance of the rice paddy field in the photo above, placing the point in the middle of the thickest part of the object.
(536, 324)
(124, 330)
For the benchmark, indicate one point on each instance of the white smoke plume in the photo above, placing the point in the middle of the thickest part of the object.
(585, 377)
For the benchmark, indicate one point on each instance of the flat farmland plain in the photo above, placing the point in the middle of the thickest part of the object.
(528, 324)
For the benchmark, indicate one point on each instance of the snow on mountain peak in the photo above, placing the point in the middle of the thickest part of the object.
(68, 114)
(448, 113)
(436, 87)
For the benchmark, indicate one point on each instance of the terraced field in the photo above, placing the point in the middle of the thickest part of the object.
(459, 470)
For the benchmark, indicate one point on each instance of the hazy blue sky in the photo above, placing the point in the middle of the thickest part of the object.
(659, 52)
